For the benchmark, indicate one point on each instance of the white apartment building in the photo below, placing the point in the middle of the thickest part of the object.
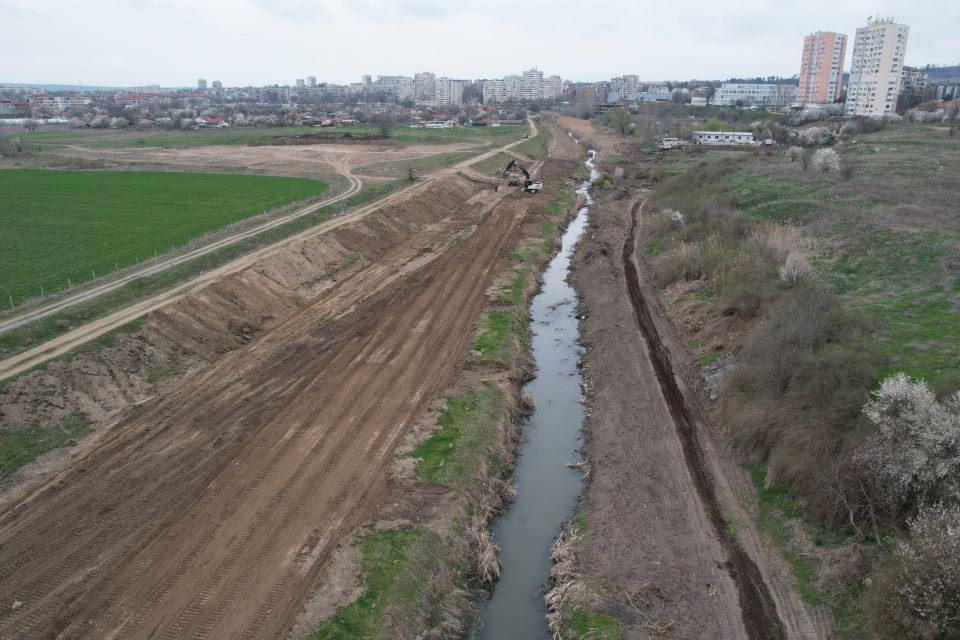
(763, 95)
(202, 84)
(625, 84)
(913, 80)
(876, 68)
(426, 84)
(529, 86)
(311, 81)
(301, 83)
(448, 91)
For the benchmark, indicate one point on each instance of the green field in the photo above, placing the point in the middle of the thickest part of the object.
(56, 225)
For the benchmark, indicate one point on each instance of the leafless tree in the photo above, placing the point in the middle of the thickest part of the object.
(383, 123)
(30, 125)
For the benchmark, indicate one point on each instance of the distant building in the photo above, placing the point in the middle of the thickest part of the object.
(425, 84)
(365, 81)
(150, 88)
(761, 95)
(876, 68)
(448, 91)
(217, 85)
(301, 83)
(311, 81)
(698, 101)
(725, 138)
(821, 67)
(912, 80)
(202, 84)
(639, 96)
(527, 87)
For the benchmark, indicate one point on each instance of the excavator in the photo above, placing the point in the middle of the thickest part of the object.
(514, 178)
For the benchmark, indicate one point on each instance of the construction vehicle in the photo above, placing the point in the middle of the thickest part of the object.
(513, 179)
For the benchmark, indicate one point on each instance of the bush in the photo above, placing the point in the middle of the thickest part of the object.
(76, 123)
(826, 160)
(922, 596)
(795, 268)
(913, 458)
(794, 153)
(815, 136)
(847, 168)
(849, 130)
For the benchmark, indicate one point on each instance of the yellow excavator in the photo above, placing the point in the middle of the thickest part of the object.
(513, 179)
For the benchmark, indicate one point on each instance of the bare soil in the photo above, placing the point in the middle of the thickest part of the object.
(680, 528)
(208, 511)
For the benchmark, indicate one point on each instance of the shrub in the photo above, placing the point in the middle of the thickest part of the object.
(815, 136)
(826, 160)
(924, 590)
(913, 458)
(847, 168)
(795, 268)
(849, 130)
(794, 153)
(76, 123)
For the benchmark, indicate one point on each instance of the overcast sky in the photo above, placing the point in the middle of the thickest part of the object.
(257, 42)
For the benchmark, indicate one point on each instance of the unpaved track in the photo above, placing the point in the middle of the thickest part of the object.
(208, 513)
(62, 344)
(759, 611)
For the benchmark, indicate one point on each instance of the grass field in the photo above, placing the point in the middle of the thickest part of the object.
(100, 139)
(56, 225)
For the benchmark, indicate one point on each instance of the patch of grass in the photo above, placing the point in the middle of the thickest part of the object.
(536, 147)
(594, 626)
(391, 580)
(398, 168)
(56, 225)
(527, 253)
(547, 230)
(513, 291)
(493, 165)
(18, 448)
(44, 329)
(494, 343)
(468, 428)
(157, 372)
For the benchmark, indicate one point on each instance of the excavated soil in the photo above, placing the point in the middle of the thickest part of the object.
(208, 509)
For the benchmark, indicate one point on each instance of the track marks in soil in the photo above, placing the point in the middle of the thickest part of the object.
(759, 611)
(209, 512)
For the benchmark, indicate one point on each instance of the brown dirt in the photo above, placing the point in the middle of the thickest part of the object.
(209, 511)
(680, 528)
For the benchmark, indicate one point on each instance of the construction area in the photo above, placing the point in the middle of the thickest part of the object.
(260, 416)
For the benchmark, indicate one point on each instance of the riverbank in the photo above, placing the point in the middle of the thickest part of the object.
(421, 565)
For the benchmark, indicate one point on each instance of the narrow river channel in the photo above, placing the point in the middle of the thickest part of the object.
(548, 489)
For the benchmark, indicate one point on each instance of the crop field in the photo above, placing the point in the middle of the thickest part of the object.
(56, 225)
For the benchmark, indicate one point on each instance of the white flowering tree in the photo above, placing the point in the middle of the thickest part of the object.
(913, 458)
(796, 268)
(926, 587)
(826, 160)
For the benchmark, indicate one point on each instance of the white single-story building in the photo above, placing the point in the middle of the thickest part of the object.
(723, 137)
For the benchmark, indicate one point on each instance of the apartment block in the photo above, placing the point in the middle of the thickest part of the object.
(448, 91)
(762, 95)
(527, 87)
(876, 68)
(311, 81)
(202, 84)
(425, 84)
(821, 68)
(912, 80)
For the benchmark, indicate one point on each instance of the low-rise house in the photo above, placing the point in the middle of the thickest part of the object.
(724, 138)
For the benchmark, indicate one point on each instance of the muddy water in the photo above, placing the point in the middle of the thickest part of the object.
(548, 489)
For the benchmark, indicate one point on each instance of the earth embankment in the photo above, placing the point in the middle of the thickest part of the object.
(208, 510)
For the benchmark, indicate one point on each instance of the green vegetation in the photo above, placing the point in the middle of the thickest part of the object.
(715, 125)
(340, 265)
(17, 448)
(396, 569)
(514, 291)
(496, 341)
(493, 165)
(594, 626)
(536, 146)
(454, 453)
(56, 225)
(420, 166)
(42, 330)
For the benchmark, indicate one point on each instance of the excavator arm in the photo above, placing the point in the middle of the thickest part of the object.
(513, 163)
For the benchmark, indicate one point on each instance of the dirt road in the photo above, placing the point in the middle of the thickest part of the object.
(64, 343)
(207, 513)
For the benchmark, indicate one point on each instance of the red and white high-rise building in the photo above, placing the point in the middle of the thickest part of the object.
(821, 70)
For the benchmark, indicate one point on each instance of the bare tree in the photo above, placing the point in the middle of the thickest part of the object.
(383, 123)
(30, 125)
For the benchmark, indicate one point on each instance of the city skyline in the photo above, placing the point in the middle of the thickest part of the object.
(211, 41)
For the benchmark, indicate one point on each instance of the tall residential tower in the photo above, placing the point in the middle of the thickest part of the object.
(821, 69)
(876, 68)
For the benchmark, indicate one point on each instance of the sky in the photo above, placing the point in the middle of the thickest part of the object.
(257, 42)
